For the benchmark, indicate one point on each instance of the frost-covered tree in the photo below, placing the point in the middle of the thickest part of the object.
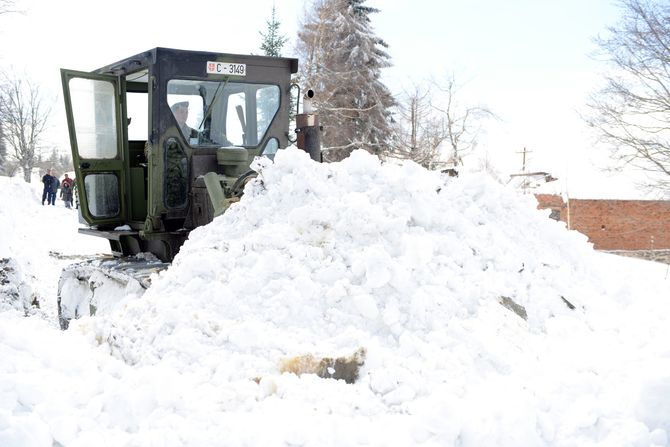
(342, 62)
(273, 41)
(631, 113)
(418, 130)
(3, 151)
(434, 128)
(24, 118)
(7, 6)
(462, 124)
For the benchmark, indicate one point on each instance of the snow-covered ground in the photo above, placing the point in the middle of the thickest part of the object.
(422, 271)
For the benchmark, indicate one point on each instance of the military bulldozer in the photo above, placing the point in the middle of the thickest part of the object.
(162, 143)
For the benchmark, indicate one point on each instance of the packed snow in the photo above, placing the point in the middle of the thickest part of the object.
(483, 322)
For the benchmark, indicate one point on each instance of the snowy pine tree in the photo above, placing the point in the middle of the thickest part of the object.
(342, 62)
(273, 42)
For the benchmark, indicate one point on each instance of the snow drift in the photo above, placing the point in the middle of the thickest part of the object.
(484, 323)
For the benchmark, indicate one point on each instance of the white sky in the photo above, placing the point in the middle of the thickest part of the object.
(526, 60)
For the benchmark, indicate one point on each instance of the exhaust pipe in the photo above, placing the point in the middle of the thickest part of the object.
(308, 128)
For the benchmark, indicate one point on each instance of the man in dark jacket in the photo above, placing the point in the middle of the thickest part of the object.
(50, 187)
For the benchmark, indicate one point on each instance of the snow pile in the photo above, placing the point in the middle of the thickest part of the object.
(36, 242)
(432, 276)
(356, 249)
(413, 267)
(17, 248)
(15, 292)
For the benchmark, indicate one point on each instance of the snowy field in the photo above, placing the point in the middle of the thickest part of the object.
(484, 323)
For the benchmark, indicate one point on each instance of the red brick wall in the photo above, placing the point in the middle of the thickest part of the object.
(615, 224)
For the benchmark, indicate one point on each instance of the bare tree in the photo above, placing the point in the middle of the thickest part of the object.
(419, 131)
(631, 113)
(7, 6)
(462, 125)
(433, 129)
(23, 118)
(3, 152)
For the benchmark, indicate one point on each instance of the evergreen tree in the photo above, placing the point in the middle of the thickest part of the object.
(58, 161)
(342, 62)
(273, 42)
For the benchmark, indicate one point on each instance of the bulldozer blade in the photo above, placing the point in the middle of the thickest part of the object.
(95, 286)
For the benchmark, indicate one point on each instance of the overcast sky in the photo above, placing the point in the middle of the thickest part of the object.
(528, 61)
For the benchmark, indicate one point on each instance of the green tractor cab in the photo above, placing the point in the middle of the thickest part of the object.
(162, 142)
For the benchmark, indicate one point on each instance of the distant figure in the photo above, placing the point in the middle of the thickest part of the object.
(66, 192)
(180, 112)
(50, 187)
(68, 180)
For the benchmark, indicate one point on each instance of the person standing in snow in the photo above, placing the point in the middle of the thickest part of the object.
(50, 187)
(66, 192)
(67, 180)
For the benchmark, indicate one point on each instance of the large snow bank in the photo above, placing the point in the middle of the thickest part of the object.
(36, 242)
(323, 260)
(413, 267)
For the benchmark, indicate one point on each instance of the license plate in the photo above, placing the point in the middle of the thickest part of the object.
(226, 68)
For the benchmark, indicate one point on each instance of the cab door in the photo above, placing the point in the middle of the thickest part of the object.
(94, 116)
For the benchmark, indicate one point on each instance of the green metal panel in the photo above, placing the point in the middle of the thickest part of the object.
(138, 211)
(94, 117)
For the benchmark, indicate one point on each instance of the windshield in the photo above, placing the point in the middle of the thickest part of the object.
(222, 113)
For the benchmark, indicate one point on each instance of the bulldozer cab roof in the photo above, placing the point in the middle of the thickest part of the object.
(169, 62)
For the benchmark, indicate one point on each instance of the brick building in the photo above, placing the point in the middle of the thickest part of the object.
(627, 225)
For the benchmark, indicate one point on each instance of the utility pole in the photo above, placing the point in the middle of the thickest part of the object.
(524, 152)
(524, 185)
(531, 179)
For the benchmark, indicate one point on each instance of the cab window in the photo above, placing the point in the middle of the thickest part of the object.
(222, 113)
(94, 114)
